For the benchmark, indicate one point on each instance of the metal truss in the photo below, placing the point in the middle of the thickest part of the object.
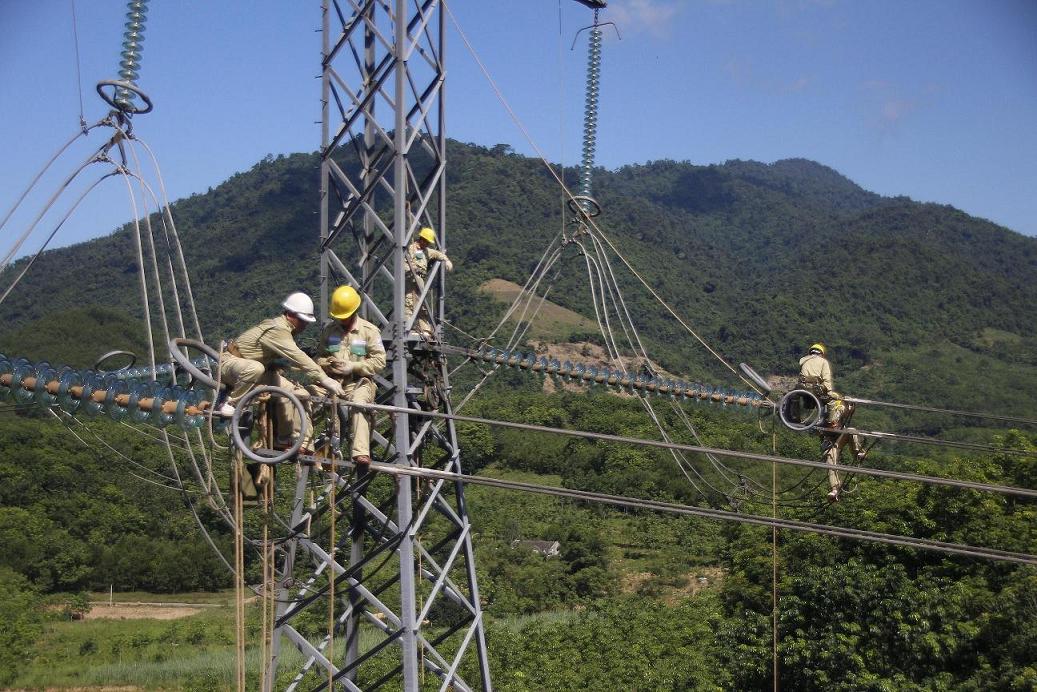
(401, 558)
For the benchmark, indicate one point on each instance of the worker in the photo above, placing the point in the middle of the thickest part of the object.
(815, 376)
(247, 362)
(351, 351)
(419, 254)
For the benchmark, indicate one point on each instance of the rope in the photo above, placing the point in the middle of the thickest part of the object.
(332, 508)
(143, 275)
(596, 268)
(774, 561)
(79, 77)
(267, 599)
(239, 574)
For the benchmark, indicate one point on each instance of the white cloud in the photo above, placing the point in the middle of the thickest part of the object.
(743, 72)
(888, 105)
(653, 16)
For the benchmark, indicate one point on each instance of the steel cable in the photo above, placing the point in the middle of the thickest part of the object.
(916, 407)
(734, 454)
(634, 503)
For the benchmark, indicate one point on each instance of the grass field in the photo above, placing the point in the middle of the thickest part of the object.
(141, 653)
(553, 321)
(187, 641)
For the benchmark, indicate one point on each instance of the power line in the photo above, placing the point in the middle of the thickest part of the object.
(975, 446)
(634, 503)
(750, 456)
(953, 412)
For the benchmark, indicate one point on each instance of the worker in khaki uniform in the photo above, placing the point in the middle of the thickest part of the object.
(815, 375)
(245, 363)
(419, 254)
(351, 351)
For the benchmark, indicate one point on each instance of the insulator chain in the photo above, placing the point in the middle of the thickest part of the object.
(584, 374)
(590, 113)
(132, 47)
(124, 395)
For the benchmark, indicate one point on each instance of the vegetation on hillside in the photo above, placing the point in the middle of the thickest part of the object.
(918, 302)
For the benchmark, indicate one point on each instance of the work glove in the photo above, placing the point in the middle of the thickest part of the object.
(332, 386)
(344, 367)
(338, 367)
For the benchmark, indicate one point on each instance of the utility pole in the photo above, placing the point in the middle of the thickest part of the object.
(403, 564)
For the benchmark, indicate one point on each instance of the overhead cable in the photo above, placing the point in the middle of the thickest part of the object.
(952, 412)
(634, 503)
(975, 446)
(749, 456)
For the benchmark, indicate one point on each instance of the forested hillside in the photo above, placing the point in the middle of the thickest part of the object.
(760, 259)
(919, 303)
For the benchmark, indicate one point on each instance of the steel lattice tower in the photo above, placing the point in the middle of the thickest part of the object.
(403, 556)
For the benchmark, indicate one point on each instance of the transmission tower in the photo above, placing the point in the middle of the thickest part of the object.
(404, 560)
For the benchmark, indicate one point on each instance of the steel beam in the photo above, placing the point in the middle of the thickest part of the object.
(403, 556)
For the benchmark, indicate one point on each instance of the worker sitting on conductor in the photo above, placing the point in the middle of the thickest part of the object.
(815, 376)
(248, 360)
(351, 352)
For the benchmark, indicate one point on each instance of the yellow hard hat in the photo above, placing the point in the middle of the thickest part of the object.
(819, 347)
(344, 302)
(428, 234)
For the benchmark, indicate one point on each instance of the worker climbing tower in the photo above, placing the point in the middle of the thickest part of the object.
(401, 558)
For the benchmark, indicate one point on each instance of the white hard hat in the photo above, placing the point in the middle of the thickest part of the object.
(301, 305)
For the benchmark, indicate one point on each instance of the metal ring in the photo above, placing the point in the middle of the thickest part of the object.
(112, 354)
(235, 430)
(123, 107)
(786, 404)
(575, 207)
(184, 362)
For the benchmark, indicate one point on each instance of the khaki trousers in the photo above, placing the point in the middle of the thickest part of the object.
(832, 446)
(421, 325)
(360, 391)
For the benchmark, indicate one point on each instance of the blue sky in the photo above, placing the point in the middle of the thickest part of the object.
(935, 100)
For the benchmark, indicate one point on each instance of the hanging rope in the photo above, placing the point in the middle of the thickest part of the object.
(774, 561)
(79, 77)
(332, 509)
(239, 572)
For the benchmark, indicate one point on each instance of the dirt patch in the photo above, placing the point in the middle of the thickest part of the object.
(630, 582)
(140, 611)
(699, 579)
(695, 581)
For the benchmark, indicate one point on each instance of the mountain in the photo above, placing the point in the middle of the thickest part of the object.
(760, 259)
(920, 303)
